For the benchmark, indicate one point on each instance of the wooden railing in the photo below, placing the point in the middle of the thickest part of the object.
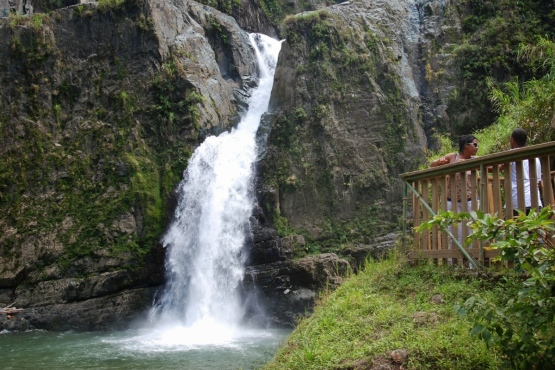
(483, 187)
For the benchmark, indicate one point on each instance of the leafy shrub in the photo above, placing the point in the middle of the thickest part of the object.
(532, 105)
(523, 327)
(492, 33)
(106, 5)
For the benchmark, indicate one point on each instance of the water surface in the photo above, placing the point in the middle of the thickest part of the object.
(137, 349)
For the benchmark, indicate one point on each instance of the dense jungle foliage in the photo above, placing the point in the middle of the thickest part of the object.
(493, 32)
(529, 105)
(521, 324)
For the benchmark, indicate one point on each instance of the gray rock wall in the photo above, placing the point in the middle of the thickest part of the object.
(359, 90)
(101, 108)
(346, 117)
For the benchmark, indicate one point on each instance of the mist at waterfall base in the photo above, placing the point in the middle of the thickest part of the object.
(195, 324)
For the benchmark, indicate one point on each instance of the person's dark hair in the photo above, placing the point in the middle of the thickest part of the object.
(465, 139)
(519, 136)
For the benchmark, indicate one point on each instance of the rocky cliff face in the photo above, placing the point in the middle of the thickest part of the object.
(346, 121)
(437, 77)
(100, 109)
(357, 88)
(102, 106)
(252, 17)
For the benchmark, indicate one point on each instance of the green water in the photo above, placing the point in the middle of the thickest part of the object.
(136, 349)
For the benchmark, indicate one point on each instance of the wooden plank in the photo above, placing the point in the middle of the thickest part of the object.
(508, 191)
(484, 189)
(533, 176)
(444, 237)
(474, 202)
(546, 181)
(416, 215)
(455, 209)
(490, 201)
(453, 196)
(425, 215)
(464, 203)
(474, 188)
(452, 253)
(496, 187)
(521, 199)
(435, 208)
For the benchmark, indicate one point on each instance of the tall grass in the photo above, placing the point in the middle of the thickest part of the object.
(106, 5)
(387, 307)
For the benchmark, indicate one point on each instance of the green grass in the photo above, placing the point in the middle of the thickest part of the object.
(372, 314)
(106, 5)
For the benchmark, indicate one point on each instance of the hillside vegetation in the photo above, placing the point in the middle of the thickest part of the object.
(394, 306)
(394, 315)
(529, 105)
(493, 31)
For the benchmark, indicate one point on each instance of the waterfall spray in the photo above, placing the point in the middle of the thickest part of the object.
(205, 242)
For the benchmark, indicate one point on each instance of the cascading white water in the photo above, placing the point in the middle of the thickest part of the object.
(205, 242)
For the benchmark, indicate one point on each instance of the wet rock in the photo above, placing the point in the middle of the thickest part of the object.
(288, 289)
(14, 323)
(289, 244)
(73, 289)
(125, 224)
(319, 271)
(6, 297)
(220, 71)
(264, 245)
(377, 249)
(114, 312)
(399, 356)
(339, 133)
(252, 18)
(437, 299)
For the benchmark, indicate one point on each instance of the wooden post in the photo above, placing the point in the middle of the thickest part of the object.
(508, 191)
(496, 187)
(435, 207)
(546, 181)
(444, 236)
(416, 215)
(405, 200)
(533, 176)
(464, 203)
(520, 196)
(425, 214)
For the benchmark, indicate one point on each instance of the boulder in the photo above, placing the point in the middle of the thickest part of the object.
(279, 293)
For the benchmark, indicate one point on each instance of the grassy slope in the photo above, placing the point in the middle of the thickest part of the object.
(373, 313)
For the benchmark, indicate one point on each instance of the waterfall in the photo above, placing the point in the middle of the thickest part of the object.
(204, 263)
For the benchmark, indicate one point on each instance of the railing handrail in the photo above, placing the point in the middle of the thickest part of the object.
(505, 156)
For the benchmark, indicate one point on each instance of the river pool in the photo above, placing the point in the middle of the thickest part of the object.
(136, 349)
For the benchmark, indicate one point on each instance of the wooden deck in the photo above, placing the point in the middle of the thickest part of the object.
(483, 180)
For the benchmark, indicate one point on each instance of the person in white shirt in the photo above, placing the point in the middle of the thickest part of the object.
(518, 140)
